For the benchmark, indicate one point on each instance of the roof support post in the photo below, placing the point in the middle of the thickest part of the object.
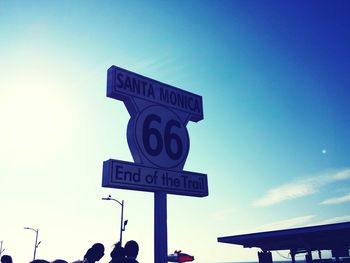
(265, 257)
(308, 256)
(292, 254)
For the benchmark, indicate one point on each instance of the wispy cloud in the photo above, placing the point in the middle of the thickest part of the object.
(336, 200)
(334, 220)
(300, 188)
(300, 221)
(288, 223)
(154, 64)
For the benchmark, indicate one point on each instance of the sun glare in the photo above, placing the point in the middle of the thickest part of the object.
(34, 119)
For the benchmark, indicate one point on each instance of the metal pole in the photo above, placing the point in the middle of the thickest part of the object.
(292, 253)
(36, 239)
(160, 228)
(121, 217)
(36, 242)
(1, 250)
(121, 223)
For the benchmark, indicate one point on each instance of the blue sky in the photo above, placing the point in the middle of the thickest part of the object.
(274, 77)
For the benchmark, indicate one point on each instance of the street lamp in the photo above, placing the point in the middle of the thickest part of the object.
(36, 239)
(1, 250)
(122, 224)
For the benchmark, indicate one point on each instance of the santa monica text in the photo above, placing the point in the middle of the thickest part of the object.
(122, 84)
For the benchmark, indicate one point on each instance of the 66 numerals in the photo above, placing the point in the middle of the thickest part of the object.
(162, 137)
(174, 152)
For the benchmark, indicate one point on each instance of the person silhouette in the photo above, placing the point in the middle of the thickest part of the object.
(6, 259)
(131, 252)
(95, 253)
(117, 254)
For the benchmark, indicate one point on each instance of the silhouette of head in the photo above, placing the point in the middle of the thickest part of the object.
(95, 253)
(39, 261)
(6, 259)
(131, 249)
(59, 261)
(118, 252)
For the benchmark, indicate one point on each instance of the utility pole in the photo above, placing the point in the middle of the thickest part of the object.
(36, 239)
(1, 250)
(122, 223)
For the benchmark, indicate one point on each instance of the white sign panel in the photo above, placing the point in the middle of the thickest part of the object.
(126, 175)
(123, 85)
(157, 135)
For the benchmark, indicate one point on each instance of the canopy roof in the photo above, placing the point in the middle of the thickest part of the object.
(322, 237)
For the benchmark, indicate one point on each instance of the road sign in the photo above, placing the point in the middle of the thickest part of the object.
(161, 137)
(126, 175)
(157, 133)
(159, 143)
(127, 86)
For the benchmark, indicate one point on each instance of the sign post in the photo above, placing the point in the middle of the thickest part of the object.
(159, 143)
(160, 228)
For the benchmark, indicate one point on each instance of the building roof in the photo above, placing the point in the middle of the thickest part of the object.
(321, 237)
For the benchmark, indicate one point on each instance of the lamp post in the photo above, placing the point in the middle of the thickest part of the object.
(1, 250)
(36, 239)
(122, 224)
